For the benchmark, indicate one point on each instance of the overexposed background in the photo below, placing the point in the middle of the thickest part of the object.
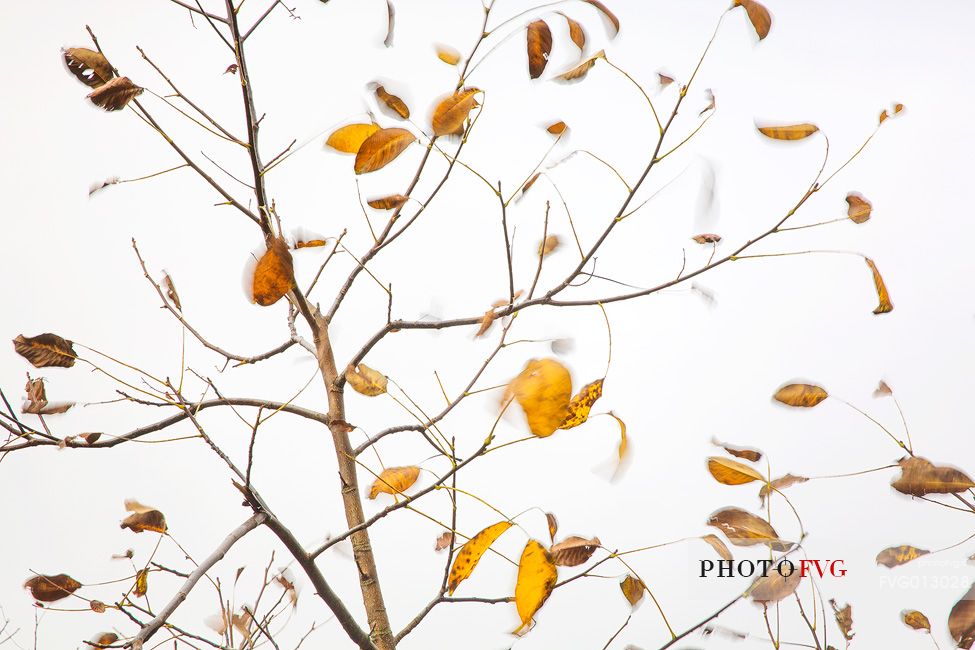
(683, 369)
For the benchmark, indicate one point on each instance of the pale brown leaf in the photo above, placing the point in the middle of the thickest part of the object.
(745, 529)
(738, 452)
(920, 477)
(719, 547)
(573, 550)
(539, 47)
(780, 483)
(858, 209)
(580, 71)
(576, 32)
(707, 238)
(898, 555)
(844, 618)
(774, 586)
(90, 67)
(115, 95)
(961, 620)
(801, 395)
(758, 15)
(443, 542)
(915, 619)
(366, 381)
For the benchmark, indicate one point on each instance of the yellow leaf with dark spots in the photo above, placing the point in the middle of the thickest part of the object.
(470, 553)
(581, 404)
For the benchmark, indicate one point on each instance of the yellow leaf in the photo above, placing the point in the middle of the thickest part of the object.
(536, 579)
(885, 305)
(381, 148)
(539, 47)
(859, 208)
(394, 480)
(470, 553)
(366, 381)
(632, 588)
(581, 404)
(898, 555)
(349, 138)
(788, 131)
(450, 114)
(758, 15)
(394, 103)
(543, 390)
(731, 472)
(448, 55)
(141, 583)
(915, 619)
(801, 395)
(548, 245)
(274, 275)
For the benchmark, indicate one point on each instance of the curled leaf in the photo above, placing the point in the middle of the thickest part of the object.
(738, 452)
(801, 395)
(543, 390)
(443, 542)
(274, 275)
(920, 477)
(885, 305)
(390, 23)
(90, 67)
(858, 209)
(961, 620)
(46, 350)
(471, 552)
(789, 131)
(609, 15)
(536, 579)
(115, 95)
(574, 550)
(396, 105)
(745, 529)
(349, 138)
(719, 547)
(553, 525)
(580, 71)
(632, 588)
(581, 404)
(758, 15)
(451, 113)
(382, 148)
(48, 589)
(143, 518)
(171, 292)
(141, 587)
(844, 618)
(780, 483)
(707, 238)
(539, 47)
(731, 472)
(394, 480)
(366, 381)
(898, 555)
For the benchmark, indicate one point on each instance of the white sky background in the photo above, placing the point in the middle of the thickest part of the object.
(682, 371)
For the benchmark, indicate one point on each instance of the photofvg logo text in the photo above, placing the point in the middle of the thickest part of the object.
(784, 567)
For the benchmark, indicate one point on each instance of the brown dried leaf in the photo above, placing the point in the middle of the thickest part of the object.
(664, 80)
(391, 101)
(390, 202)
(539, 47)
(801, 395)
(882, 390)
(90, 67)
(143, 518)
(141, 583)
(745, 529)
(289, 587)
(452, 112)
(390, 23)
(443, 542)
(558, 128)
(961, 620)
(448, 55)
(920, 477)
(98, 606)
(780, 483)
(885, 305)
(738, 452)
(707, 238)
(231, 69)
(48, 589)
(382, 148)
(46, 350)
(632, 588)
(574, 550)
(471, 552)
(553, 525)
(844, 618)
(898, 555)
(171, 292)
(731, 472)
(274, 275)
(788, 131)
(104, 639)
(858, 209)
(366, 381)
(394, 480)
(915, 619)
(576, 32)
(115, 95)
(486, 321)
(310, 243)
(580, 71)
(543, 390)
(758, 15)
(773, 587)
(536, 579)
(614, 21)
(349, 138)
(719, 547)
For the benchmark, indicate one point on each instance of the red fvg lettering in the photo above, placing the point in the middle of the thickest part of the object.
(834, 567)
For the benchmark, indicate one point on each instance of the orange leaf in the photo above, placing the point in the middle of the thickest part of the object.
(885, 305)
(274, 275)
(543, 390)
(394, 103)
(576, 32)
(390, 202)
(452, 112)
(382, 148)
(789, 131)
(801, 395)
(394, 480)
(539, 47)
(632, 588)
(758, 15)
(859, 208)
